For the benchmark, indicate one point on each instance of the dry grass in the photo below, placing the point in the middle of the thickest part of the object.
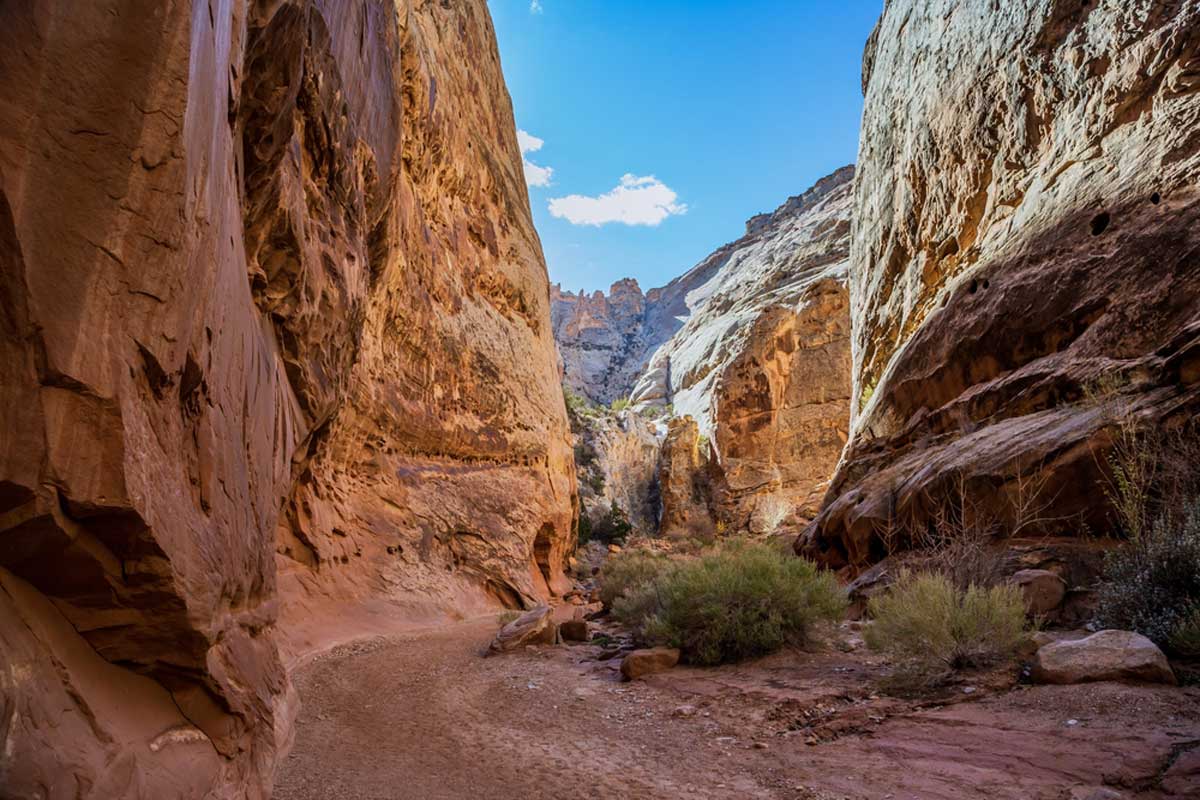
(931, 628)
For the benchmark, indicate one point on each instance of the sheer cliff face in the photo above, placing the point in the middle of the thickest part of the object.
(271, 304)
(753, 343)
(763, 362)
(1025, 224)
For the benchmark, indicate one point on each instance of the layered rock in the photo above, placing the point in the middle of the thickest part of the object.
(763, 362)
(753, 343)
(1025, 229)
(271, 302)
(683, 481)
(616, 461)
(602, 339)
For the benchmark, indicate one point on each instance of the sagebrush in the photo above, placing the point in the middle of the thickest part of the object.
(628, 570)
(737, 601)
(930, 627)
(1152, 584)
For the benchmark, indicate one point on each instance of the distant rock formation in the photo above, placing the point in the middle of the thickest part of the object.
(683, 482)
(616, 460)
(1026, 226)
(274, 347)
(753, 343)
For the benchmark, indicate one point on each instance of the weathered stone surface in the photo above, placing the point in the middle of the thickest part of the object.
(616, 461)
(1043, 590)
(1025, 224)
(640, 663)
(535, 626)
(1103, 656)
(761, 359)
(683, 482)
(253, 257)
(574, 630)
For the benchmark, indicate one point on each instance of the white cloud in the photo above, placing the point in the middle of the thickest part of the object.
(635, 201)
(535, 7)
(537, 176)
(529, 143)
(534, 175)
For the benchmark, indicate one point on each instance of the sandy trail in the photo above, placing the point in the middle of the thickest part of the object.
(423, 716)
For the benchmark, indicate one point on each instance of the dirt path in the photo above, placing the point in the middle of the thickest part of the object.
(424, 716)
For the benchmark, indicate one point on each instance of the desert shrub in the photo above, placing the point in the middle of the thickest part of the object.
(584, 529)
(628, 570)
(931, 627)
(613, 527)
(585, 455)
(1152, 583)
(738, 601)
(1185, 638)
(596, 482)
(620, 404)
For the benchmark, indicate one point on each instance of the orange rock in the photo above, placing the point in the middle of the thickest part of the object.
(640, 663)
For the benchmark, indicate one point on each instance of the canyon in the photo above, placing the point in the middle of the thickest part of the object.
(291, 410)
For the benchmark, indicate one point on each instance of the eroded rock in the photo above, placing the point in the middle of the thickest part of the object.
(253, 257)
(1104, 656)
(535, 626)
(1043, 590)
(1025, 229)
(640, 663)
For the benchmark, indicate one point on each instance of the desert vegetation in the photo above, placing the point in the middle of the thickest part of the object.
(736, 600)
(932, 628)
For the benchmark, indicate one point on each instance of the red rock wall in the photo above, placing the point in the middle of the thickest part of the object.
(1026, 225)
(271, 304)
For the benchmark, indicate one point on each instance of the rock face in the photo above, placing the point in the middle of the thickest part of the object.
(274, 343)
(616, 460)
(683, 481)
(761, 358)
(602, 339)
(1103, 656)
(1025, 227)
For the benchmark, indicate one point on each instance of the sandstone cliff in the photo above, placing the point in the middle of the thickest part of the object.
(274, 345)
(753, 343)
(616, 461)
(1025, 227)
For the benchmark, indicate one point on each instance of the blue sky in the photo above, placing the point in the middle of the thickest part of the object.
(659, 126)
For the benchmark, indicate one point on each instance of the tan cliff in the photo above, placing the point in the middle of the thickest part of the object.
(275, 348)
(757, 354)
(1025, 229)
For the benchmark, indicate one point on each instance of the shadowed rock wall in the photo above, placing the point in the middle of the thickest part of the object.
(274, 346)
(1025, 227)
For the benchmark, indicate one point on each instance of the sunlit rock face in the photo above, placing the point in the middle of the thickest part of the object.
(753, 343)
(763, 361)
(274, 346)
(1025, 228)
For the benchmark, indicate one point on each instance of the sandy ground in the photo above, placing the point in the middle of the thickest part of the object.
(424, 716)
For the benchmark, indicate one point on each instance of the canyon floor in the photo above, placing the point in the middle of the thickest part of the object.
(424, 715)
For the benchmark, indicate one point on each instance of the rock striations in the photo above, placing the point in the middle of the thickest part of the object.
(274, 345)
(1026, 228)
(753, 343)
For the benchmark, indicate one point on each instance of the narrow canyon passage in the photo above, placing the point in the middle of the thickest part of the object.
(423, 715)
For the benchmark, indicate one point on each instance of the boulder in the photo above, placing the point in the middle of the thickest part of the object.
(1103, 656)
(533, 627)
(1043, 590)
(574, 630)
(640, 663)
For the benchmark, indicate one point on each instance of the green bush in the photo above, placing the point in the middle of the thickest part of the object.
(931, 627)
(1185, 638)
(620, 404)
(1152, 583)
(738, 601)
(628, 570)
(613, 527)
